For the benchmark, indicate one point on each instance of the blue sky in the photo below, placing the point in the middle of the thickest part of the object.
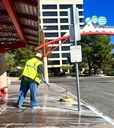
(100, 8)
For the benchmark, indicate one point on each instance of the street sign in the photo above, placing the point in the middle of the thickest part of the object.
(74, 27)
(74, 33)
(76, 53)
(73, 15)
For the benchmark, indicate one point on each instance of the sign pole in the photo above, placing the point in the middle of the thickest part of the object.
(77, 37)
(74, 37)
(78, 86)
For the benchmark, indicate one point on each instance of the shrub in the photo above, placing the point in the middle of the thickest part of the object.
(110, 73)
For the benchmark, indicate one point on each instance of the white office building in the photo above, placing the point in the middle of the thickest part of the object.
(54, 21)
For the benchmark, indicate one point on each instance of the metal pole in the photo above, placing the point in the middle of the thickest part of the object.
(78, 87)
(46, 70)
(76, 37)
(73, 15)
(45, 59)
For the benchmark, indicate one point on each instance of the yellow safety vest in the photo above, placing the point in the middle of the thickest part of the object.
(30, 70)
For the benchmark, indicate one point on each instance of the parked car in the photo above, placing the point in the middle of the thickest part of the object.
(13, 74)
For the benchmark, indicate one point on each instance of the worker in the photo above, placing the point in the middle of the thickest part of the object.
(31, 77)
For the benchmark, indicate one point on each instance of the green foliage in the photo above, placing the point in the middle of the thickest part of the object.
(18, 57)
(96, 51)
(61, 74)
(66, 67)
(10, 62)
(110, 73)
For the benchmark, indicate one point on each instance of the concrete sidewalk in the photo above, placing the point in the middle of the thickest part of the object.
(51, 114)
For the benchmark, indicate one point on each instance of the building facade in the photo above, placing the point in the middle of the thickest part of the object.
(54, 22)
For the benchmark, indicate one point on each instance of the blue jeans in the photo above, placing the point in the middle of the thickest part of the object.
(25, 86)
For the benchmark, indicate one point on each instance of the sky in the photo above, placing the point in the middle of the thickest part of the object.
(100, 8)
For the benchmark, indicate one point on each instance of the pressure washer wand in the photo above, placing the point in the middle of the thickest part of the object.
(63, 98)
(44, 81)
(56, 91)
(48, 86)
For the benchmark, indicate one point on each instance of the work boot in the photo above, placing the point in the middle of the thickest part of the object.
(35, 107)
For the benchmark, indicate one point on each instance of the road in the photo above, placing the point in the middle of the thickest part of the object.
(96, 91)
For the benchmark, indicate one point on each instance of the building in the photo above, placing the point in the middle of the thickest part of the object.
(54, 22)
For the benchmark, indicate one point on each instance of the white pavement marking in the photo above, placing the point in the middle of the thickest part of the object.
(58, 109)
(108, 119)
(3, 110)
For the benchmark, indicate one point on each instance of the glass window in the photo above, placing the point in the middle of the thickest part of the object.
(81, 26)
(49, 13)
(63, 13)
(65, 48)
(51, 34)
(81, 20)
(80, 13)
(54, 27)
(50, 20)
(65, 54)
(55, 62)
(64, 20)
(79, 6)
(49, 6)
(63, 33)
(64, 27)
(65, 6)
(54, 55)
(65, 62)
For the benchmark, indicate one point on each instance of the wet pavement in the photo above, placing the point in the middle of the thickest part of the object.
(51, 114)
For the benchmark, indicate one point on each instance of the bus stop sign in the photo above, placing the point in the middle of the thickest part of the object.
(76, 53)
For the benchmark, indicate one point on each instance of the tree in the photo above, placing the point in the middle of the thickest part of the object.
(96, 51)
(65, 68)
(10, 62)
(18, 57)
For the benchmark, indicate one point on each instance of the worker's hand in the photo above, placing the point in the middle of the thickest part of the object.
(43, 80)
